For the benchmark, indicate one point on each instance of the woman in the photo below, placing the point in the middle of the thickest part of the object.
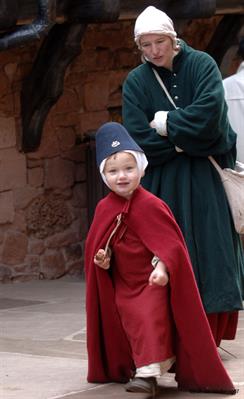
(177, 143)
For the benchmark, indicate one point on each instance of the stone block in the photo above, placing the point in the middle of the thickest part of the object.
(17, 109)
(80, 172)
(34, 163)
(49, 146)
(24, 278)
(96, 92)
(5, 274)
(62, 239)
(66, 137)
(68, 102)
(52, 265)
(76, 154)
(80, 195)
(19, 223)
(97, 60)
(66, 119)
(35, 177)
(10, 70)
(4, 84)
(36, 247)
(30, 266)
(24, 196)
(116, 79)
(91, 121)
(112, 36)
(59, 173)
(7, 132)
(12, 169)
(47, 215)
(83, 223)
(7, 105)
(33, 263)
(14, 248)
(1, 237)
(6, 207)
(128, 58)
(75, 268)
(73, 252)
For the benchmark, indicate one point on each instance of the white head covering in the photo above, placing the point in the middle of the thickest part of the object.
(154, 21)
(140, 158)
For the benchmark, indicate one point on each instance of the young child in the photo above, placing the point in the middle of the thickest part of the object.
(144, 313)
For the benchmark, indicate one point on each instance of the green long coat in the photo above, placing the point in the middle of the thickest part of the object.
(186, 180)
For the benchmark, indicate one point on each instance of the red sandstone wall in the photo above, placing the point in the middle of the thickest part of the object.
(43, 194)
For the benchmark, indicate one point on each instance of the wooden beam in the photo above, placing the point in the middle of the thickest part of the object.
(92, 11)
(229, 7)
(224, 36)
(184, 9)
(76, 10)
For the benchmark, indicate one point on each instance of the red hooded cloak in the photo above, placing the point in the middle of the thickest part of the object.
(198, 365)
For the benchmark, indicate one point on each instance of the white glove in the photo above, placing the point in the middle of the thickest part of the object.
(160, 122)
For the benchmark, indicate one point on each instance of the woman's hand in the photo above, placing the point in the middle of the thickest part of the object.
(159, 275)
(101, 259)
(160, 122)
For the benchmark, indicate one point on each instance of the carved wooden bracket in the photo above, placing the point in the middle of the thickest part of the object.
(44, 85)
(224, 36)
(45, 19)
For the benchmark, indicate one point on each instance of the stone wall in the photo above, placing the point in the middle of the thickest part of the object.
(43, 194)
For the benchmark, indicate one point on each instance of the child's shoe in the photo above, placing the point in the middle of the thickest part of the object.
(146, 385)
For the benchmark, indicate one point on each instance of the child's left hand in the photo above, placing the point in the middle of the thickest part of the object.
(159, 275)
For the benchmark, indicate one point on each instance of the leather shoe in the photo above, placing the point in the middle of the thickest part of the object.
(146, 385)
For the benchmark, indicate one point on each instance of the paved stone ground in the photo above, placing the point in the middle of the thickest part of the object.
(43, 350)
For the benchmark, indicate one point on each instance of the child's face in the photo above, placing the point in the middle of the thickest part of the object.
(122, 174)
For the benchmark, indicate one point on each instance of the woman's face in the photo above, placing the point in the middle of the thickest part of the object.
(122, 174)
(158, 49)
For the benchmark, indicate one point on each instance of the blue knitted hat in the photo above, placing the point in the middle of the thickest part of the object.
(112, 137)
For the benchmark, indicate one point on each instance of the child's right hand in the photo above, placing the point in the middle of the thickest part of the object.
(101, 259)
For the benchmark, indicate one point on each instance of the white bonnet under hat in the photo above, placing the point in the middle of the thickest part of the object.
(154, 21)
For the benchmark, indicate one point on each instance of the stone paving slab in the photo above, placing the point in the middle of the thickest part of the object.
(8, 303)
(167, 388)
(43, 349)
(40, 377)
